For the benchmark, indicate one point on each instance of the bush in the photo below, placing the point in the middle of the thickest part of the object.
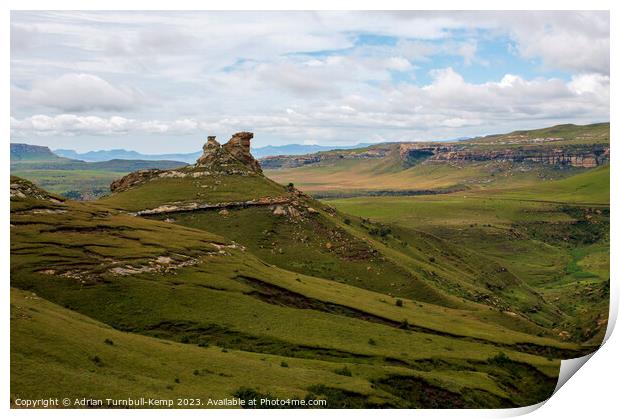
(399, 303)
(347, 221)
(344, 371)
(404, 325)
(109, 342)
(97, 361)
(284, 364)
(431, 259)
(500, 359)
(372, 342)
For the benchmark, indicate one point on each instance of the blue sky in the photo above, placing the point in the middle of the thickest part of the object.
(161, 82)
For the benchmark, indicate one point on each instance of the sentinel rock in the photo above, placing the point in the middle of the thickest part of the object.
(236, 150)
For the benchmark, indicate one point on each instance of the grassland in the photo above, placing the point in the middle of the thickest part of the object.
(435, 300)
(86, 275)
(566, 220)
(76, 179)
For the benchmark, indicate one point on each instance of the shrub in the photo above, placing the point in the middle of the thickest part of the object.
(108, 342)
(344, 371)
(284, 364)
(431, 259)
(500, 359)
(347, 221)
(399, 302)
(404, 325)
(372, 342)
(97, 361)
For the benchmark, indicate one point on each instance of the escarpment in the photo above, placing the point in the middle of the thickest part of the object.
(586, 156)
(548, 153)
(232, 158)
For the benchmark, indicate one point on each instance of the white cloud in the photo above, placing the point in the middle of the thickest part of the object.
(449, 106)
(596, 84)
(293, 76)
(77, 93)
(69, 124)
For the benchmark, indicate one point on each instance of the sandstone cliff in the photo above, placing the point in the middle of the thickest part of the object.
(576, 155)
(569, 155)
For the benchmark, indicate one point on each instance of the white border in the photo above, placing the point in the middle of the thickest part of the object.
(593, 391)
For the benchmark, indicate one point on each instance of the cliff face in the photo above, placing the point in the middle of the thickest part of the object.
(576, 156)
(232, 158)
(276, 162)
(581, 155)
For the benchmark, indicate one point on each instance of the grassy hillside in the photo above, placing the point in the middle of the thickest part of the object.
(152, 280)
(566, 220)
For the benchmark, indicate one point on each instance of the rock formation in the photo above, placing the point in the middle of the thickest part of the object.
(232, 158)
(237, 149)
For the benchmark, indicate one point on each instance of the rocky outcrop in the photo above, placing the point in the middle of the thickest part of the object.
(239, 147)
(235, 151)
(134, 178)
(232, 158)
(23, 189)
(197, 206)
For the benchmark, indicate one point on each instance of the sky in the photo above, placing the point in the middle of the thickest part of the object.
(160, 82)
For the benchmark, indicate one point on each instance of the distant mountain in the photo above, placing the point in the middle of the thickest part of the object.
(298, 149)
(32, 153)
(35, 157)
(105, 155)
(122, 154)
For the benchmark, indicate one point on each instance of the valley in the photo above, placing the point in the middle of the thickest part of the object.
(398, 275)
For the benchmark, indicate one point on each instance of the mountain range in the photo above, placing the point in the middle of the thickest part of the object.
(258, 152)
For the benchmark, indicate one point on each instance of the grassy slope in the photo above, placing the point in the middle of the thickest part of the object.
(566, 220)
(212, 189)
(323, 244)
(214, 302)
(70, 355)
(359, 176)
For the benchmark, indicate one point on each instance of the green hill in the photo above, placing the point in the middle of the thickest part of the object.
(215, 281)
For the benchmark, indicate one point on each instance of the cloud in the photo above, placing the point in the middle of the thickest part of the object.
(291, 76)
(71, 125)
(574, 41)
(447, 106)
(78, 93)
